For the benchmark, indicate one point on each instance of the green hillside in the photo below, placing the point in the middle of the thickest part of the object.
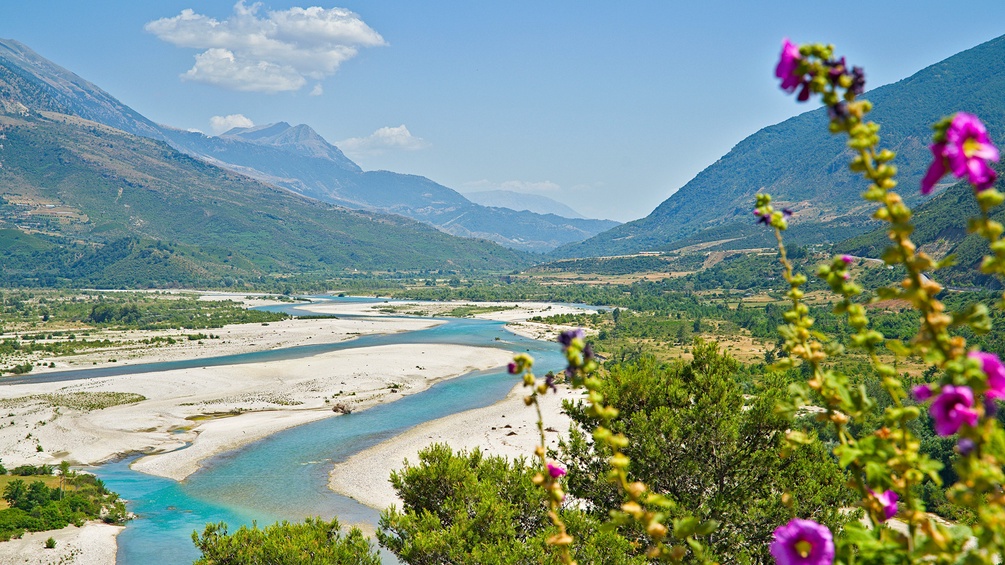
(94, 204)
(806, 169)
(940, 230)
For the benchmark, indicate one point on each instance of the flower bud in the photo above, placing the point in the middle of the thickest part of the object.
(656, 530)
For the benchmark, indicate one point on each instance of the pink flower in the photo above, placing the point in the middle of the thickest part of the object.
(936, 170)
(965, 152)
(888, 499)
(952, 409)
(787, 65)
(921, 393)
(993, 368)
(847, 259)
(968, 149)
(555, 470)
(802, 542)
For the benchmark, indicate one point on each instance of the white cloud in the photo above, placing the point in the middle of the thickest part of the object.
(397, 138)
(318, 90)
(220, 124)
(220, 67)
(272, 53)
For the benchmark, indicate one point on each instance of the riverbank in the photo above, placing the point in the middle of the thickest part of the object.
(91, 544)
(507, 428)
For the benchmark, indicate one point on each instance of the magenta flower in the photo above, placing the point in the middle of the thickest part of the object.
(936, 170)
(921, 393)
(993, 368)
(802, 542)
(952, 409)
(888, 499)
(555, 470)
(788, 63)
(847, 259)
(965, 152)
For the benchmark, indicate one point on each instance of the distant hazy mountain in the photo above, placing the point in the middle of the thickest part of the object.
(522, 201)
(806, 168)
(300, 140)
(297, 158)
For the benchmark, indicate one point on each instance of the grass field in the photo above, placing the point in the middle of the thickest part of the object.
(50, 481)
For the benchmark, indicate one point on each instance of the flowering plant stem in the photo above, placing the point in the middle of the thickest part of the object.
(890, 457)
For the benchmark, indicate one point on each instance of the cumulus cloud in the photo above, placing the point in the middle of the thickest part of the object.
(276, 52)
(318, 90)
(220, 124)
(385, 138)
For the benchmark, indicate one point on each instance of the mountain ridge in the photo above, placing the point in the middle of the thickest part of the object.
(805, 168)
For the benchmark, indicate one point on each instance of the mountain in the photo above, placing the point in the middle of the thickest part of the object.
(29, 81)
(297, 158)
(806, 169)
(86, 202)
(522, 201)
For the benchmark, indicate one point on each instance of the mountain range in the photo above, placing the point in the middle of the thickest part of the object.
(298, 159)
(91, 192)
(805, 168)
(292, 157)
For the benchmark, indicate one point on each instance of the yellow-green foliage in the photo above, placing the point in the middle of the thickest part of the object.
(82, 401)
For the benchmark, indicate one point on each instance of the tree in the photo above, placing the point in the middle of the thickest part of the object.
(37, 495)
(312, 542)
(64, 470)
(695, 438)
(14, 492)
(467, 508)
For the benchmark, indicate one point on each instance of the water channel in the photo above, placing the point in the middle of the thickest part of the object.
(284, 477)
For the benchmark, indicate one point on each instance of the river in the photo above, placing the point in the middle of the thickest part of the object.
(285, 476)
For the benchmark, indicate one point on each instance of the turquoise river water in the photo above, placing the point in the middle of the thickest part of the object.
(284, 477)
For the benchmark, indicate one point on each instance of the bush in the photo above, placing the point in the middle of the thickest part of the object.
(313, 542)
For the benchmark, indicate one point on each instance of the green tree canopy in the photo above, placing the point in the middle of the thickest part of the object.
(714, 452)
(467, 508)
(312, 542)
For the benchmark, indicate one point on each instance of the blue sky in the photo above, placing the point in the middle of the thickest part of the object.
(608, 107)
